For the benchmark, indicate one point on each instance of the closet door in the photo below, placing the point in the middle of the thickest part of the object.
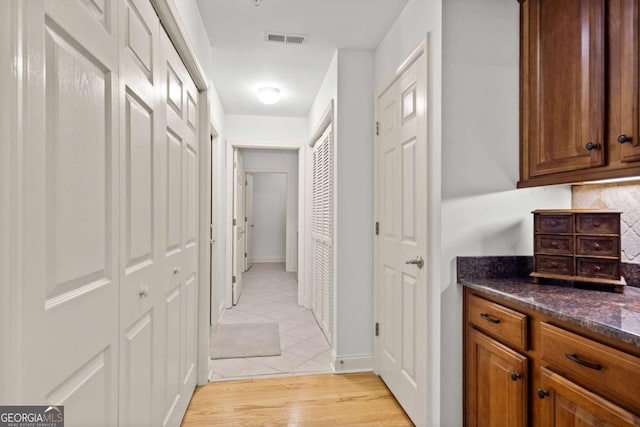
(322, 232)
(141, 258)
(179, 141)
(68, 210)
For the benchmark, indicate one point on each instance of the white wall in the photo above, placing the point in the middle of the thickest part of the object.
(270, 210)
(286, 161)
(353, 243)
(328, 91)
(267, 129)
(482, 212)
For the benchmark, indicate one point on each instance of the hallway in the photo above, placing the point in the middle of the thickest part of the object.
(271, 295)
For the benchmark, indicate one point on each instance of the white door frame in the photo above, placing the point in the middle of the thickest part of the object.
(212, 233)
(231, 145)
(430, 254)
(287, 210)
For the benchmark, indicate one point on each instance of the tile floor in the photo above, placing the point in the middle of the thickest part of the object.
(271, 295)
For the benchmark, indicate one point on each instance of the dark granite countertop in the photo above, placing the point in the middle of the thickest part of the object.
(613, 315)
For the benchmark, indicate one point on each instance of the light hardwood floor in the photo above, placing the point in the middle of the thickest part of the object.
(319, 400)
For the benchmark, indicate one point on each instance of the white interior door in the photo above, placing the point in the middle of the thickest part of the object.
(249, 225)
(238, 226)
(215, 297)
(180, 255)
(68, 204)
(401, 210)
(141, 217)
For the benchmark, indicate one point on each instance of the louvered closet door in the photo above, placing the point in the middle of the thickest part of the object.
(322, 232)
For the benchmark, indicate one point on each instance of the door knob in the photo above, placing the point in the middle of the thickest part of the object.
(176, 270)
(419, 261)
(591, 146)
(624, 138)
(143, 292)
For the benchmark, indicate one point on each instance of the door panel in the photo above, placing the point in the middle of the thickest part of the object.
(69, 211)
(249, 222)
(238, 229)
(140, 185)
(401, 209)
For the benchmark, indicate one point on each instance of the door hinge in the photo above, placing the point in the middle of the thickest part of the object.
(246, 219)
(377, 128)
(246, 183)
(377, 228)
(245, 254)
(233, 279)
(234, 221)
(377, 329)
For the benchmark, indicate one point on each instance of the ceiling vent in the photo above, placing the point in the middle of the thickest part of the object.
(285, 38)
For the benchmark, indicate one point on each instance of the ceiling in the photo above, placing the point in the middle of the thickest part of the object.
(243, 61)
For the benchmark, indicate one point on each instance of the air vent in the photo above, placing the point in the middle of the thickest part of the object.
(285, 38)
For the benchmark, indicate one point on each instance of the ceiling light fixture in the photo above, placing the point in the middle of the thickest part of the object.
(256, 3)
(269, 95)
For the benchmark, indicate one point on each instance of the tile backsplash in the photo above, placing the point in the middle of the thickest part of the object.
(624, 197)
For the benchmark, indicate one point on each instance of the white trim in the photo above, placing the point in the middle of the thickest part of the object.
(350, 363)
(221, 310)
(230, 146)
(268, 260)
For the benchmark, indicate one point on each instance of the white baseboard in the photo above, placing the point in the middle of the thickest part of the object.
(221, 311)
(349, 363)
(260, 260)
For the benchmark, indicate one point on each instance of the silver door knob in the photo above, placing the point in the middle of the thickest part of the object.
(419, 261)
(143, 292)
(176, 270)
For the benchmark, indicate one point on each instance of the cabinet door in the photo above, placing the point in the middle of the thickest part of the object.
(496, 384)
(563, 83)
(625, 38)
(564, 403)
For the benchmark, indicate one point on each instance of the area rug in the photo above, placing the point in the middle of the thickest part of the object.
(234, 340)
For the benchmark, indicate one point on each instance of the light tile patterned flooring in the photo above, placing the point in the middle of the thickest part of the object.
(271, 295)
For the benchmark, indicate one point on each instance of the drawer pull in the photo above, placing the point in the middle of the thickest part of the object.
(597, 268)
(515, 376)
(554, 222)
(575, 358)
(596, 223)
(553, 265)
(554, 244)
(491, 319)
(542, 393)
(596, 246)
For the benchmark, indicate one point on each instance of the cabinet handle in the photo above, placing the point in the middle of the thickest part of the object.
(542, 393)
(575, 358)
(591, 146)
(491, 319)
(624, 138)
(515, 376)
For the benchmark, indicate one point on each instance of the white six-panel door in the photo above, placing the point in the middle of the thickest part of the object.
(70, 210)
(109, 215)
(249, 226)
(238, 228)
(401, 210)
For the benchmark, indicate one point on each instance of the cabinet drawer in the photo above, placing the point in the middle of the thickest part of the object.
(598, 223)
(598, 246)
(554, 244)
(555, 223)
(598, 367)
(597, 267)
(554, 264)
(503, 323)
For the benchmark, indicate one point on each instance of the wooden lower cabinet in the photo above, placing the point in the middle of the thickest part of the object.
(563, 403)
(558, 375)
(497, 383)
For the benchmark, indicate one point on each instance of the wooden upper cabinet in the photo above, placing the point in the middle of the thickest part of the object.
(580, 97)
(563, 104)
(625, 17)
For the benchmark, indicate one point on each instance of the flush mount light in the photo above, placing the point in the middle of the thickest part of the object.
(269, 95)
